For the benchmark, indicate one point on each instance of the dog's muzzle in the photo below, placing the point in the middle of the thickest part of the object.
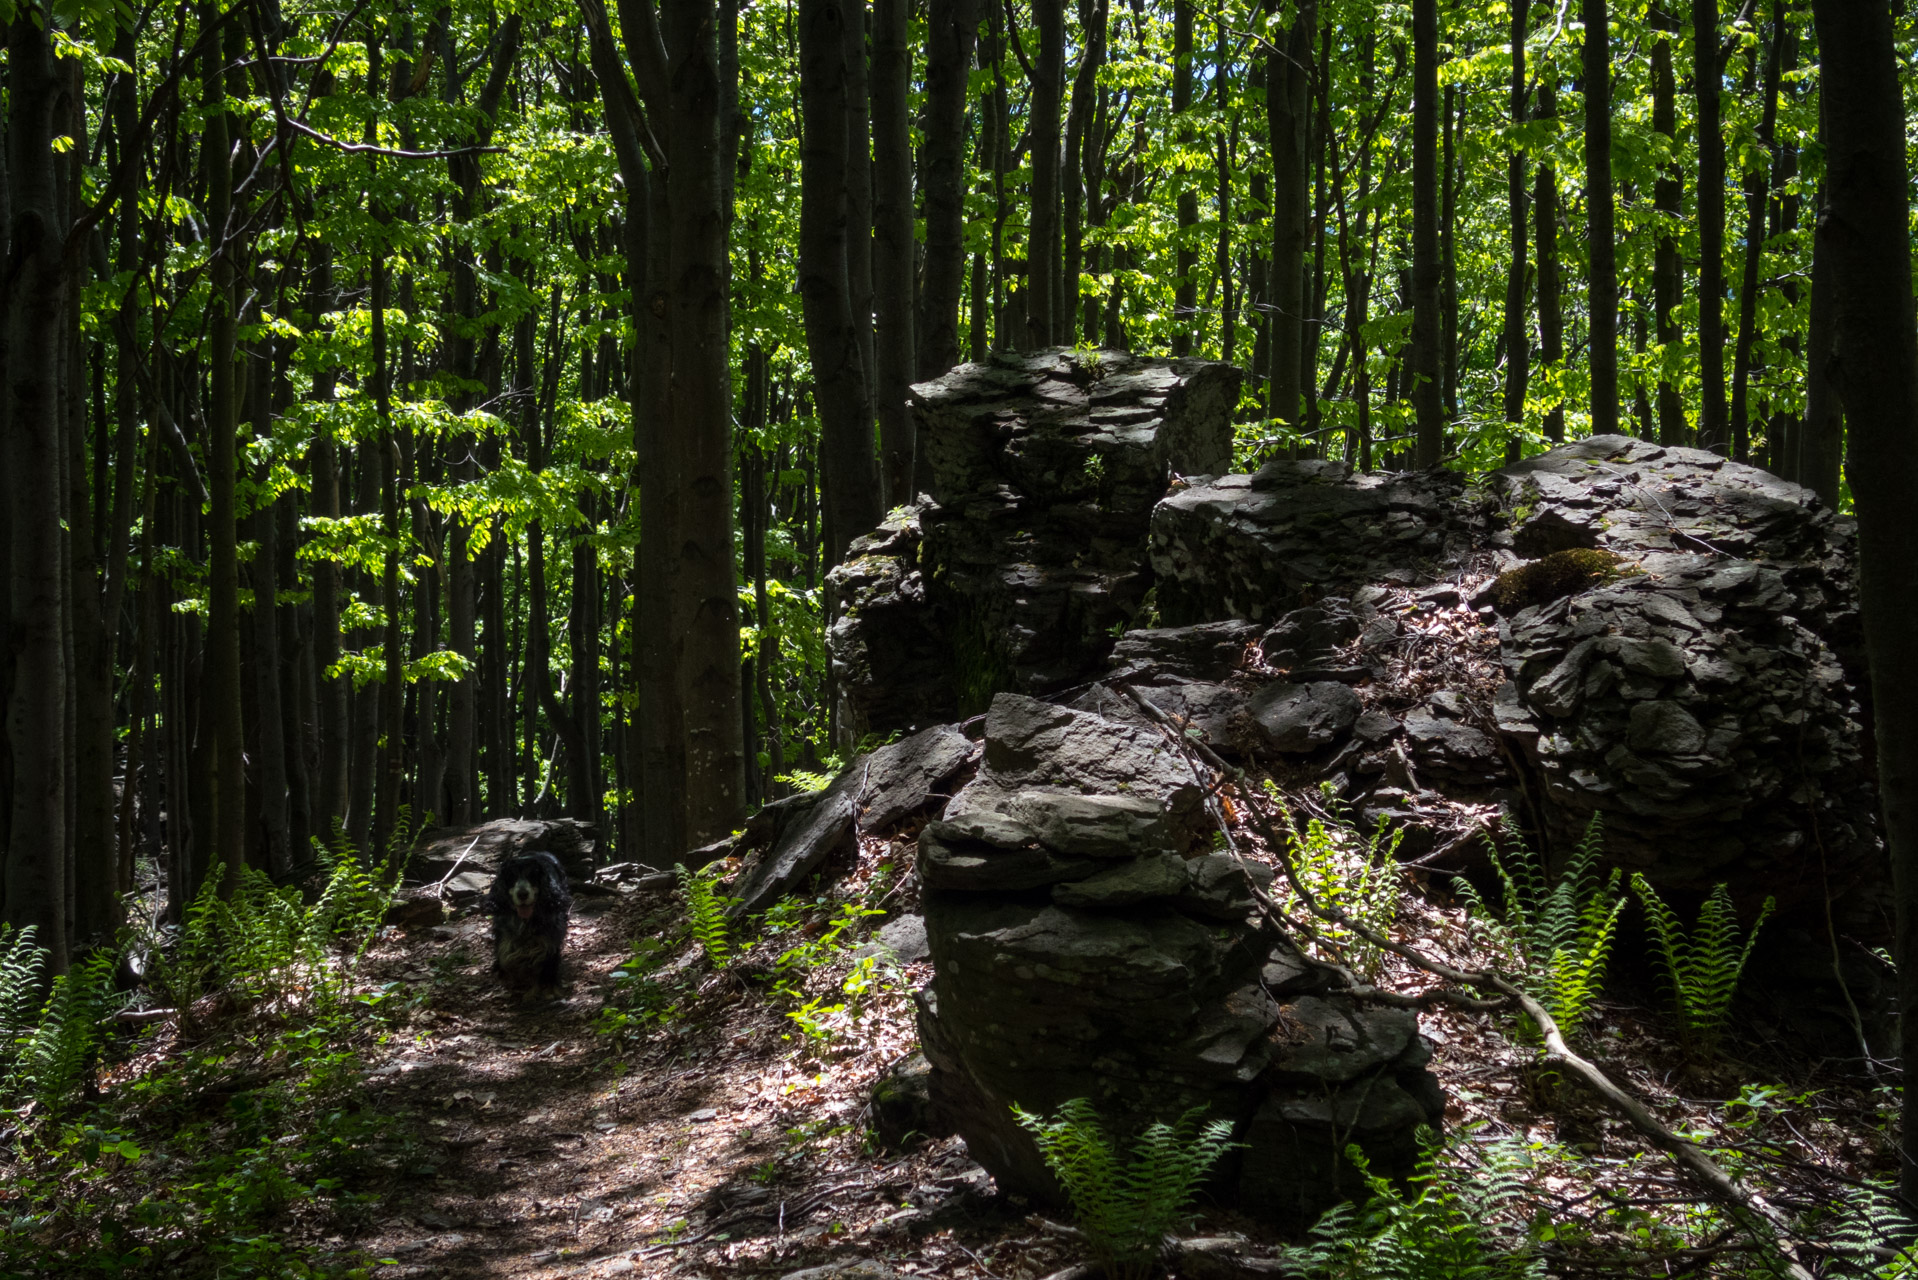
(524, 897)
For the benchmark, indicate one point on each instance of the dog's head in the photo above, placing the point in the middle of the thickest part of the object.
(527, 878)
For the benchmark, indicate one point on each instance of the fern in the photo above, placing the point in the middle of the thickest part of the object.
(1561, 931)
(706, 912)
(1441, 1227)
(1868, 1220)
(1127, 1203)
(22, 961)
(57, 1056)
(1703, 966)
(1345, 868)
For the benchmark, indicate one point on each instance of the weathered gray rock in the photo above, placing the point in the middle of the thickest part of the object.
(444, 852)
(1701, 700)
(1297, 719)
(1147, 983)
(1257, 546)
(1044, 470)
(792, 836)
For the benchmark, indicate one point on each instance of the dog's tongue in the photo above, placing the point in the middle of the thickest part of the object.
(525, 912)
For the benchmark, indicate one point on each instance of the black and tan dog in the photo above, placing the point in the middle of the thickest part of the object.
(530, 906)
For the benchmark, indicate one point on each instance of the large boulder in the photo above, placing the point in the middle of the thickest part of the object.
(1028, 552)
(1082, 948)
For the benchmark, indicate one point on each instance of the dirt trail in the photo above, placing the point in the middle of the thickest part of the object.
(727, 1143)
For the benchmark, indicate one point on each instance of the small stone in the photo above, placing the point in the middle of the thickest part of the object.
(704, 1114)
(1297, 719)
(1665, 727)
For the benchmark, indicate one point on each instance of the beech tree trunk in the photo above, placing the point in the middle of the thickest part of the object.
(1427, 407)
(1601, 229)
(1042, 240)
(1666, 274)
(1865, 229)
(1288, 77)
(1712, 433)
(892, 249)
(950, 28)
(35, 873)
(839, 376)
(1551, 321)
(1185, 306)
(1517, 334)
(1757, 199)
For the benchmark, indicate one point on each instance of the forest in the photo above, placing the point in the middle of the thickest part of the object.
(416, 417)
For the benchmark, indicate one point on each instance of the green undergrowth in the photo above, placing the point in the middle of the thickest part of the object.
(799, 955)
(213, 1142)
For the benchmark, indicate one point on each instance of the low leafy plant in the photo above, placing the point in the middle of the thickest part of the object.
(1702, 964)
(706, 912)
(1347, 868)
(1127, 1200)
(57, 1056)
(1442, 1225)
(1561, 931)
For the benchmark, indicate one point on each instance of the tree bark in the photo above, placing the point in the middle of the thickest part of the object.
(1185, 305)
(36, 728)
(1517, 337)
(1864, 227)
(1427, 407)
(1042, 239)
(1287, 78)
(1712, 433)
(228, 827)
(1551, 320)
(951, 26)
(892, 249)
(843, 396)
(1666, 192)
(1757, 200)
(1601, 219)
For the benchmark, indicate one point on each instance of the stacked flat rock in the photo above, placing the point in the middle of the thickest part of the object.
(1700, 700)
(1084, 947)
(1255, 546)
(1044, 470)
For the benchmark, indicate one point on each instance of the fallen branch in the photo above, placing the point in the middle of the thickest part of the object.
(1765, 1223)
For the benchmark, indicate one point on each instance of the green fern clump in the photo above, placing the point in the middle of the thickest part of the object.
(1441, 1226)
(1344, 867)
(1703, 965)
(1127, 1202)
(1562, 932)
(706, 912)
(22, 961)
(56, 1057)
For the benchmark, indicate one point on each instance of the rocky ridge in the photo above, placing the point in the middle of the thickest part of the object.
(1697, 685)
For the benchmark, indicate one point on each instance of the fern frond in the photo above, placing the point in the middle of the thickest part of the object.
(1703, 965)
(706, 912)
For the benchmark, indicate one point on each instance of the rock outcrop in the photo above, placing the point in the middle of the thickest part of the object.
(1085, 945)
(1690, 671)
(1030, 549)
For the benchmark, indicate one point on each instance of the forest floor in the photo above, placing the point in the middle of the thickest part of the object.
(723, 1137)
(669, 1117)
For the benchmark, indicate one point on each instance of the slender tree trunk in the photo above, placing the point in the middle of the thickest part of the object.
(1865, 227)
(843, 396)
(1427, 270)
(1081, 124)
(223, 572)
(38, 843)
(1517, 336)
(1185, 306)
(1601, 222)
(1448, 250)
(1712, 432)
(1288, 76)
(1757, 202)
(1666, 192)
(950, 28)
(1821, 449)
(1551, 321)
(1042, 240)
(893, 253)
